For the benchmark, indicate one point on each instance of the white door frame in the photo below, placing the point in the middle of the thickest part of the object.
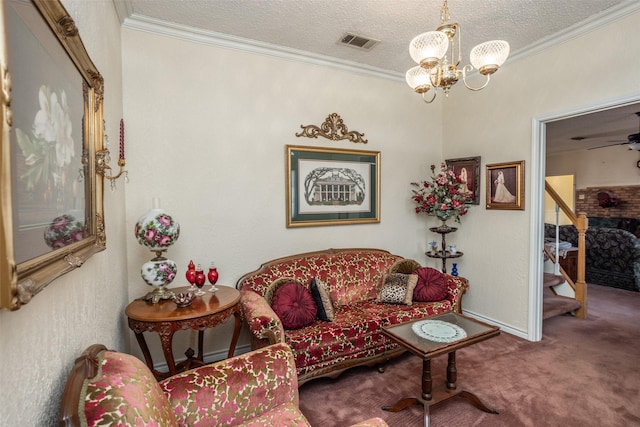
(538, 156)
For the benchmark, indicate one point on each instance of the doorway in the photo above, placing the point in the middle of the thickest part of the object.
(538, 172)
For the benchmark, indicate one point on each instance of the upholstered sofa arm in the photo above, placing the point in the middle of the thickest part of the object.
(457, 287)
(232, 391)
(263, 322)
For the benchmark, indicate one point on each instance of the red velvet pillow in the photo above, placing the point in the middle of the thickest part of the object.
(294, 305)
(431, 286)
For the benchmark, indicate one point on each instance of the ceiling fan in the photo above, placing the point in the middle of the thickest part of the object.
(633, 140)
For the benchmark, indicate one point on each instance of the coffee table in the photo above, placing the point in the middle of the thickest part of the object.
(432, 337)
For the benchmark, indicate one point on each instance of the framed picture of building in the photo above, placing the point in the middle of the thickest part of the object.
(329, 186)
(505, 186)
(468, 170)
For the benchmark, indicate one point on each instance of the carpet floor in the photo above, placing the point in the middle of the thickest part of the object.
(583, 373)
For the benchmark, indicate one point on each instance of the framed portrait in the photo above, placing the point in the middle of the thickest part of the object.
(468, 170)
(327, 186)
(51, 100)
(505, 185)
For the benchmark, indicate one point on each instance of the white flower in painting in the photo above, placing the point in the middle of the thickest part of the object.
(64, 141)
(44, 124)
(53, 124)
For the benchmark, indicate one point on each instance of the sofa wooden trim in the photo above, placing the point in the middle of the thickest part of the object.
(85, 367)
(331, 251)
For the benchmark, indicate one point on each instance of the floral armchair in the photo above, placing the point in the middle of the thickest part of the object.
(258, 388)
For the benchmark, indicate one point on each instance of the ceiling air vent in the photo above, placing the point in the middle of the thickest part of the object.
(357, 41)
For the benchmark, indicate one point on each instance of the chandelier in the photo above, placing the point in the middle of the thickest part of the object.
(438, 55)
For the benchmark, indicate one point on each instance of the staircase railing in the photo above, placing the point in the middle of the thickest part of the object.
(581, 222)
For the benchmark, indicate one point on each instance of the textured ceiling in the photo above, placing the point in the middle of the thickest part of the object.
(315, 26)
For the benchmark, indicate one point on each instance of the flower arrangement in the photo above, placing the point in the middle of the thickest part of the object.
(444, 196)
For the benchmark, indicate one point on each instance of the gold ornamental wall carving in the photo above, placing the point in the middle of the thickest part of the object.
(332, 128)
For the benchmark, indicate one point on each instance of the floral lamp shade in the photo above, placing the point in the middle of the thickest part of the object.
(157, 230)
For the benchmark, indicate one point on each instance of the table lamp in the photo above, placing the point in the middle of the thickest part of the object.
(157, 230)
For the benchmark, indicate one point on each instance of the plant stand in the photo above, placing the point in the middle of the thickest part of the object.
(443, 253)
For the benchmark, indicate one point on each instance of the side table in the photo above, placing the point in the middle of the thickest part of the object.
(569, 263)
(165, 318)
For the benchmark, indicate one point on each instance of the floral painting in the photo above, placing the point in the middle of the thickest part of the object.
(48, 146)
(47, 139)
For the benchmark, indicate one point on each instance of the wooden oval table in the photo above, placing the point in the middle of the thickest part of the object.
(165, 318)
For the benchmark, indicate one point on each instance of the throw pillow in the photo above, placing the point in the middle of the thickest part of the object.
(273, 287)
(406, 266)
(397, 288)
(294, 305)
(320, 293)
(431, 286)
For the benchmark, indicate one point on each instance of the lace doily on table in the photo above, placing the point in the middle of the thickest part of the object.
(438, 331)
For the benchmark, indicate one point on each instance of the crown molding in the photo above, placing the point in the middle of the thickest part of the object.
(124, 9)
(606, 17)
(143, 23)
(212, 38)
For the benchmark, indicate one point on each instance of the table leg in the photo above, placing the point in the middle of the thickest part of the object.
(475, 401)
(452, 372)
(145, 349)
(236, 331)
(166, 338)
(427, 382)
(401, 404)
(200, 345)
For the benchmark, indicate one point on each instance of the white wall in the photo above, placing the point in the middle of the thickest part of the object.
(207, 129)
(607, 166)
(497, 124)
(40, 340)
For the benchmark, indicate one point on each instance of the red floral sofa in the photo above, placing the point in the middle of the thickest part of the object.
(354, 278)
(257, 389)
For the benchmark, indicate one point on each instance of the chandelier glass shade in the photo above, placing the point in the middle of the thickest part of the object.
(438, 56)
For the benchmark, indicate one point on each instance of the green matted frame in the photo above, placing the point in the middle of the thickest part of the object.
(329, 186)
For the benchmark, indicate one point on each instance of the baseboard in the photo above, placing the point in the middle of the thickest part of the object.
(506, 328)
(208, 357)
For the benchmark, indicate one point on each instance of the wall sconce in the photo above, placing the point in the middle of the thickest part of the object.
(103, 158)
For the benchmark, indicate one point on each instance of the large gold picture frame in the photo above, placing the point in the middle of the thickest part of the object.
(51, 104)
(331, 186)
